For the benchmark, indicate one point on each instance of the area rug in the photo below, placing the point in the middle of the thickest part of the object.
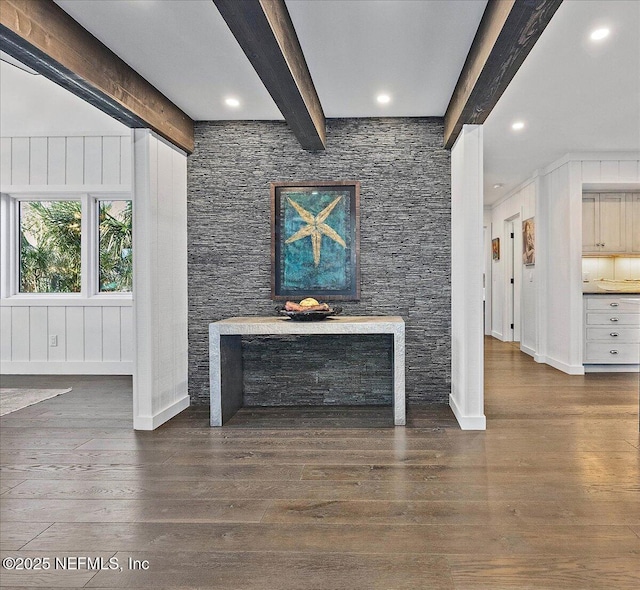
(12, 400)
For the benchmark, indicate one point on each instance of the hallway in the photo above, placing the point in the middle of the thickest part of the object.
(547, 497)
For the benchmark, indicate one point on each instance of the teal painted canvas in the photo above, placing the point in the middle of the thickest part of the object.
(315, 231)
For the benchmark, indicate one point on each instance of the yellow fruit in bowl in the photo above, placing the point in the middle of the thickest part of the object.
(309, 302)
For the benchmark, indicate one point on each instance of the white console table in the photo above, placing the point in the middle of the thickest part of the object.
(225, 354)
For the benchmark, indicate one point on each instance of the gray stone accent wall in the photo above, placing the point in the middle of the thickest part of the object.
(405, 253)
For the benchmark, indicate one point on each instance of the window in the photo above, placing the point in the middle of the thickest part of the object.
(56, 244)
(50, 246)
(115, 253)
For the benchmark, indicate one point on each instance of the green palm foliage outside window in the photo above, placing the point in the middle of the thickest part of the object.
(116, 258)
(50, 249)
(51, 246)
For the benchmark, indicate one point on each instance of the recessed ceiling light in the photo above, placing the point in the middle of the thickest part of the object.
(497, 186)
(517, 126)
(232, 102)
(600, 34)
(383, 98)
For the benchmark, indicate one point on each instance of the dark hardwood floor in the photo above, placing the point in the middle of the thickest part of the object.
(286, 499)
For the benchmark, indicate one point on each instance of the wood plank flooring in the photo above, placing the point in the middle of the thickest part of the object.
(331, 498)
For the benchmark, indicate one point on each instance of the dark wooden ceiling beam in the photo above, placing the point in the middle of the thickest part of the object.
(44, 37)
(507, 32)
(264, 30)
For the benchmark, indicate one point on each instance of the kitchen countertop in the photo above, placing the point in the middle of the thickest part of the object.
(595, 290)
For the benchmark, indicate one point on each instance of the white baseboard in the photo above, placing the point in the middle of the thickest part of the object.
(612, 368)
(497, 335)
(467, 422)
(527, 350)
(152, 422)
(564, 367)
(65, 368)
(540, 358)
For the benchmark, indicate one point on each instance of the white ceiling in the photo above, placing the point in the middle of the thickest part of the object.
(572, 94)
(355, 49)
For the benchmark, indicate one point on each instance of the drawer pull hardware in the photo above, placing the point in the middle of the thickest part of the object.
(613, 352)
(614, 304)
(614, 334)
(613, 319)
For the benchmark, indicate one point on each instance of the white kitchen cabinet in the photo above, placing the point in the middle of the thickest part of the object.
(611, 330)
(633, 203)
(604, 223)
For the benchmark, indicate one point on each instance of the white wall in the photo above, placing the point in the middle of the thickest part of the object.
(551, 297)
(94, 334)
(467, 339)
(32, 105)
(30, 164)
(160, 281)
(91, 339)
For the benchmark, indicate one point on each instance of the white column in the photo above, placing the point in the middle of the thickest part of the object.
(467, 339)
(159, 281)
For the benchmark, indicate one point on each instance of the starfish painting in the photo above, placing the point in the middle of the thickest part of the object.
(315, 228)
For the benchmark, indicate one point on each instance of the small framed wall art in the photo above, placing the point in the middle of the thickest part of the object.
(315, 240)
(529, 242)
(495, 249)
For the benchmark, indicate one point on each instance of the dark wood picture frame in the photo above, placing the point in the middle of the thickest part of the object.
(282, 257)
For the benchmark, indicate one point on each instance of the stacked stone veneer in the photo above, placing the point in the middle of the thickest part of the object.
(405, 256)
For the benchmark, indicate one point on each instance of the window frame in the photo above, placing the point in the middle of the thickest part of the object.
(89, 247)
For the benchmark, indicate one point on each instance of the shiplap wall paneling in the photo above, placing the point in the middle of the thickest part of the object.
(609, 171)
(38, 328)
(19, 328)
(111, 160)
(5, 333)
(164, 291)
(93, 160)
(74, 317)
(38, 160)
(57, 322)
(126, 162)
(56, 160)
(126, 334)
(180, 273)
(111, 334)
(591, 171)
(20, 160)
(5, 160)
(92, 334)
(75, 160)
(629, 171)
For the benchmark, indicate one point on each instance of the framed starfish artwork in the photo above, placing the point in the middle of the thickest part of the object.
(315, 240)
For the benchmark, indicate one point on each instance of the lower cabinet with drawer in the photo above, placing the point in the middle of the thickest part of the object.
(611, 330)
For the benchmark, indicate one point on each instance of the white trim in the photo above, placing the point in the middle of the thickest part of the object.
(66, 368)
(89, 248)
(590, 157)
(540, 358)
(152, 422)
(564, 367)
(467, 422)
(527, 350)
(66, 300)
(49, 191)
(612, 368)
(497, 336)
